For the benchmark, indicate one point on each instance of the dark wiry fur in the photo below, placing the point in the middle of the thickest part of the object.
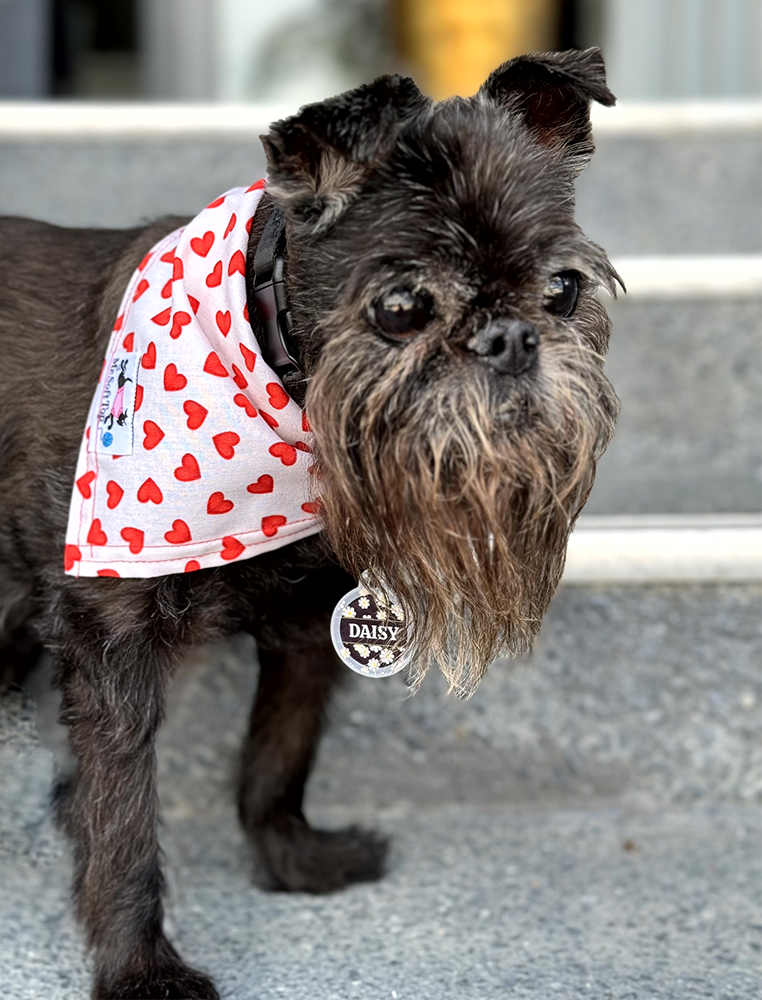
(455, 485)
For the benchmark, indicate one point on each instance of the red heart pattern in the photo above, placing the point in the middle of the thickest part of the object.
(264, 484)
(218, 503)
(149, 358)
(71, 555)
(115, 494)
(245, 403)
(153, 434)
(96, 535)
(214, 366)
(224, 319)
(285, 452)
(173, 379)
(195, 412)
(225, 443)
(180, 320)
(277, 396)
(249, 357)
(201, 245)
(185, 317)
(214, 278)
(231, 547)
(179, 534)
(134, 538)
(149, 491)
(83, 484)
(237, 264)
(162, 318)
(271, 523)
(188, 470)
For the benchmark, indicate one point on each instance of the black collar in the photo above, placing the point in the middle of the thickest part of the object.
(269, 298)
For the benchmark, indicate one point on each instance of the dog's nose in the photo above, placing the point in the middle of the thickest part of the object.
(509, 346)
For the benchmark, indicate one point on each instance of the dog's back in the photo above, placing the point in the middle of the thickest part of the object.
(59, 294)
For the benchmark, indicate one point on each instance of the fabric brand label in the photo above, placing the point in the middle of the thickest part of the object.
(112, 430)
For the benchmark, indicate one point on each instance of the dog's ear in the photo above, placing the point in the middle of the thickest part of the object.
(318, 159)
(553, 92)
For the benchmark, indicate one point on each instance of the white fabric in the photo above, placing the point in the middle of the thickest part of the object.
(215, 456)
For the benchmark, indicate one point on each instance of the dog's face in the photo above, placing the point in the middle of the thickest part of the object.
(444, 301)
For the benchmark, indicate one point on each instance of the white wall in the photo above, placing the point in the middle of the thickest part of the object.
(678, 48)
(214, 50)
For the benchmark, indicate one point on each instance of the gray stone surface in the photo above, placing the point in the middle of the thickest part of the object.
(689, 375)
(27, 768)
(97, 182)
(479, 904)
(641, 195)
(588, 825)
(675, 194)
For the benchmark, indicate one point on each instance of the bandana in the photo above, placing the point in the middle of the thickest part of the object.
(193, 455)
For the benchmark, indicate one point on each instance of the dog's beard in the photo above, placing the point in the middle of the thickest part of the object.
(458, 501)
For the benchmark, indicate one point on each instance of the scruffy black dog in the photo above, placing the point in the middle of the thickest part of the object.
(444, 309)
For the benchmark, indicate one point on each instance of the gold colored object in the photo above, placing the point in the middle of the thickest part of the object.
(453, 45)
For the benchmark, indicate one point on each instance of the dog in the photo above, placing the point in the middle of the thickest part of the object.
(442, 330)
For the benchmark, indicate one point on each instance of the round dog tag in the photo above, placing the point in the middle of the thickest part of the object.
(368, 633)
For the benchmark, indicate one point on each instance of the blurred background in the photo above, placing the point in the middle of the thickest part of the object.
(301, 50)
(589, 824)
(116, 111)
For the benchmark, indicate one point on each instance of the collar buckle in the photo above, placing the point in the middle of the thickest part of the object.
(271, 302)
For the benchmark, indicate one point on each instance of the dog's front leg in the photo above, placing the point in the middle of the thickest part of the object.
(113, 689)
(286, 720)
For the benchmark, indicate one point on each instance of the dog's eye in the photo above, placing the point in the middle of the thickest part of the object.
(400, 313)
(561, 294)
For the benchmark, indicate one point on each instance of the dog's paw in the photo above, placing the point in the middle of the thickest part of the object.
(175, 983)
(295, 858)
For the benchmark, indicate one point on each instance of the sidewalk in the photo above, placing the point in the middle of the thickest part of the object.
(589, 817)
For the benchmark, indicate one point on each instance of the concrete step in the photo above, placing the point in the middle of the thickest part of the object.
(587, 825)
(647, 694)
(526, 902)
(675, 179)
(688, 371)
(666, 179)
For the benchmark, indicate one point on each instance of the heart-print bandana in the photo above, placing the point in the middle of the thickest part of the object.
(193, 453)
